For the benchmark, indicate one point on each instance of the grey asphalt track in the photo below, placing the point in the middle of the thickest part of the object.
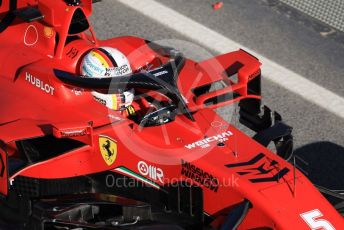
(329, 12)
(318, 133)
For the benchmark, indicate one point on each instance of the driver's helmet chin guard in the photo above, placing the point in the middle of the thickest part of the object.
(107, 62)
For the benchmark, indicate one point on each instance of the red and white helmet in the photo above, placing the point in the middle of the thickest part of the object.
(108, 62)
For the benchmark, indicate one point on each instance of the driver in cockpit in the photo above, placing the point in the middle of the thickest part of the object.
(106, 62)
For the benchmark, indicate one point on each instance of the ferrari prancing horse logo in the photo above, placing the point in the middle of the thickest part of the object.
(108, 149)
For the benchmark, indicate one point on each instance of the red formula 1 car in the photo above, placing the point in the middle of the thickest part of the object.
(167, 161)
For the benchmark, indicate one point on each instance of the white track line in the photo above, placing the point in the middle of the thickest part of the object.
(221, 44)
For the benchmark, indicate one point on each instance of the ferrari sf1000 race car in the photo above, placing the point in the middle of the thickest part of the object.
(76, 153)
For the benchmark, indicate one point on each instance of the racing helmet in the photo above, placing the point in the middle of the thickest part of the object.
(107, 62)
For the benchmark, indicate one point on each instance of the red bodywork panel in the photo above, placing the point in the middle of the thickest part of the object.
(36, 103)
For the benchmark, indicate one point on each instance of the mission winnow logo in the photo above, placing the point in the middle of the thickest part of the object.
(200, 176)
